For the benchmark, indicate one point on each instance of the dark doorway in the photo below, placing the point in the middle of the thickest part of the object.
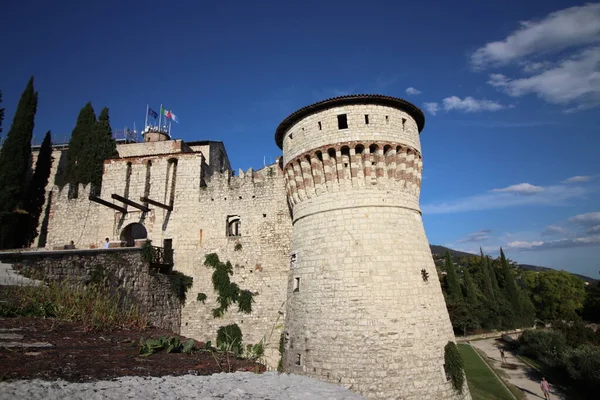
(132, 232)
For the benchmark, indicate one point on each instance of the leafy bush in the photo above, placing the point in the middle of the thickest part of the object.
(180, 284)
(96, 307)
(171, 344)
(583, 363)
(545, 345)
(201, 297)
(227, 292)
(454, 366)
(229, 338)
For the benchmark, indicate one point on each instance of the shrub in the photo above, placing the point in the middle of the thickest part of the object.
(454, 366)
(172, 344)
(545, 345)
(180, 284)
(96, 307)
(229, 338)
(583, 363)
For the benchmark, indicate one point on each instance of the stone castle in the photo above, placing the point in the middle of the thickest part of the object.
(329, 239)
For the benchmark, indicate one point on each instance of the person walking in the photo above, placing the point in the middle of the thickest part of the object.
(106, 243)
(502, 356)
(545, 386)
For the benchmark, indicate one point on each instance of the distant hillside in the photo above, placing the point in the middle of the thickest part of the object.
(457, 255)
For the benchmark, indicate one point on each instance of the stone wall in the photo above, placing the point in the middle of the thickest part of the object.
(260, 265)
(152, 291)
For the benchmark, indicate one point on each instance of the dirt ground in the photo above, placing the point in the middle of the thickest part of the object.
(48, 349)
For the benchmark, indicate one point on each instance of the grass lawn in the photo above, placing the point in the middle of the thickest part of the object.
(483, 384)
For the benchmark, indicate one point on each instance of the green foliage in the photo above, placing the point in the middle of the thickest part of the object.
(147, 252)
(180, 283)
(104, 147)
(555, 294)
(201, 297)
(591, 306)
(15, 156)
(245, 300)
(1, 116)
(281, 352)
(77, 170)
(227, 292)
(454, 367)
(255, 351)
(97, 307)
(545, 345)
(453, 286)
(583, 364)
(36, 191)
(171, 344)
(229, 338)
(237, 247)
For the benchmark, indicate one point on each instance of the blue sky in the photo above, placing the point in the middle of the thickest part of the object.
(511, 93)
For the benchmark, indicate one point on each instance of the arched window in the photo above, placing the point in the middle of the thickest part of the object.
(234, 227)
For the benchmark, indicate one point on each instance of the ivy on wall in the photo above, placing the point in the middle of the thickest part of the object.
(228, 292)
(454, 366)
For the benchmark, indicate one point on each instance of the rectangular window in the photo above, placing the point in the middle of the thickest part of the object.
(320, 127)
(296, 284)
(342, 121)
(367, 119)
(298, 359)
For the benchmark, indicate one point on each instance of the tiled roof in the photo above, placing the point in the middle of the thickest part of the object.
(395, 102)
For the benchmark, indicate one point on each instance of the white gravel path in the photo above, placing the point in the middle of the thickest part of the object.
(239, 385)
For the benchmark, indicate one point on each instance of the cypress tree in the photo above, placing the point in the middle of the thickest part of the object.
(36, 192)
(510, 286)
(104, 147)
(493, 277)
(77, 170)
(470, 289)
(454, 292)
(1, 117)
(488, 289)
(15, 156)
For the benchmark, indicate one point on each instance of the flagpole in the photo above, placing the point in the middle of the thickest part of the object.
(170, 129)
(146, 123)
(159, 116)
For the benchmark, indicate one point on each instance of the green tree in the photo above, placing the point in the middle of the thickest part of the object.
(1, 117)
(510, 285)
(555, 294)
(36, 192)
(591, 305)
(487, 287)
(453, 286)
(104, 148)
(15, 156)
(470, 290)
(77, 170)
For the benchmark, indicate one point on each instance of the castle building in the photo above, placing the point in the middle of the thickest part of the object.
(329, 239)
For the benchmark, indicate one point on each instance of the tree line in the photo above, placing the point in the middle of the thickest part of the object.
(23, 187)
(483, 293)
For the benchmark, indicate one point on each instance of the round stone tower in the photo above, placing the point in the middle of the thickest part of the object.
(365, 308)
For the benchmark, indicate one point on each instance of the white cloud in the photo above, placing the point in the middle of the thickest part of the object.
(479, 236)
(535, 67)
(558, 31)
(432, 108)
(574, 81)
(594, 229)
(578, 179)
(469, 104)
(588, 219)
(552, 230)
(521, 188)
(412, 90)
(558, 195)
(524, 245)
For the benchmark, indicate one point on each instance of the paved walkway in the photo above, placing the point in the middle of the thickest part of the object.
(524, 377)
(9, 277)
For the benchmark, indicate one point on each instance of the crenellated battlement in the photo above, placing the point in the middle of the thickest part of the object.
(357, 164)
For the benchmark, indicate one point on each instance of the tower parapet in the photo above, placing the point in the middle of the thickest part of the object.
(360, 311)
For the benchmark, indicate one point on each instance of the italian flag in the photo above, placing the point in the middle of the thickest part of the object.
(168, 114)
